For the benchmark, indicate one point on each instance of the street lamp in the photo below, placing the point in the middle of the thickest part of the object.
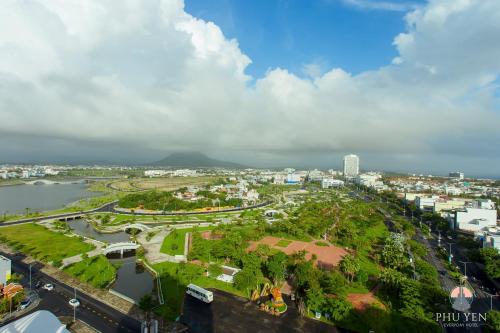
(491, 299)
(450, 255)
(74, 307)
(465, 264)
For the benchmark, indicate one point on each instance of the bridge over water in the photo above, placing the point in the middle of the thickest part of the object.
(120, 248)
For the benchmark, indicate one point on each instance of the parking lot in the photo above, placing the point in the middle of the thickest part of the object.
(229, 313)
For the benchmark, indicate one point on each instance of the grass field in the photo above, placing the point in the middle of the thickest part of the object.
(174, 243)
(41, 243)
(160, 183)
(175, 278)
(97, 271)
(283, 243)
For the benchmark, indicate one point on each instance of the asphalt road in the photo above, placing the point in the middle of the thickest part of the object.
(95, 313)
(229, 313)
(110, 208)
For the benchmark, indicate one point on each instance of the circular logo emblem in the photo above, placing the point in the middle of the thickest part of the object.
(461, 298)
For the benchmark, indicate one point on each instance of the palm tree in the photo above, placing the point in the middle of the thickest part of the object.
(147, 304)
(350, 266)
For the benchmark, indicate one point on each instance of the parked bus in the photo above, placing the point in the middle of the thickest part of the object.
(200, 293)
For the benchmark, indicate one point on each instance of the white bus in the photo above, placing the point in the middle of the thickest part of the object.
(202, 294)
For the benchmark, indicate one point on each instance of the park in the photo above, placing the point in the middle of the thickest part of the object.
(332, 256)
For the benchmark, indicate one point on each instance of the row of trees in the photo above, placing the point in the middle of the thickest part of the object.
(165, 201)
(491, 259)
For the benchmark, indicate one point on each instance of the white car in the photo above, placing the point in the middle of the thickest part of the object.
(74, 302)
(48, 286)
(24, 304)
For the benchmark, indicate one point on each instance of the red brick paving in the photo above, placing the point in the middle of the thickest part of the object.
(327, 256)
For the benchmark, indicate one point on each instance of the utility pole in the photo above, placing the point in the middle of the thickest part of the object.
(30, 277)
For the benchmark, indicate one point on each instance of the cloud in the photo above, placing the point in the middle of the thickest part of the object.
(380, 5)
(148, 75)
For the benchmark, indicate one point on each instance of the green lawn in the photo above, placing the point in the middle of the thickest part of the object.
(175, 278)
(97, 271)
(173, 244)
(41, 243)
(283, 243)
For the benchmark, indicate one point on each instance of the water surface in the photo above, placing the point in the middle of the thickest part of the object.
(38, 198)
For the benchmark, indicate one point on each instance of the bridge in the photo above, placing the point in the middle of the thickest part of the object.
(138, 226)
(64, 217)
(120, 247)
(51, 182)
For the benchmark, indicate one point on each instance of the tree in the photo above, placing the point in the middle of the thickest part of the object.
(333, 282)
(337, 308)
(493, 321)
(276, 267)
(393, 254)
(411, 300)
(215, 270)
(245, 280)
(146, 304)
(314, 299)
(491, 259)
(252, 262)
(349, 265)
(392, 278)
(304, 275)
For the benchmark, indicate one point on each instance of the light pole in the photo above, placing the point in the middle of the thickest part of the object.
(30, 277)
(74, 308)
(491, 299)
(439, 238)
(465, 270)
(450, 255)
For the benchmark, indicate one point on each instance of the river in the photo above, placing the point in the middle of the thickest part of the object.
(132, 280)
(38, 198)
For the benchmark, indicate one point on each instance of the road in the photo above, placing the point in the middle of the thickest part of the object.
(229, 313)
(477, 279)
(110, 208)
(95, 313)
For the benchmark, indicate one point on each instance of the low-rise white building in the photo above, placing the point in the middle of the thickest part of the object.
(425, 203)
(156, 173)
(474, 219)
(491, 238)
(331, 182)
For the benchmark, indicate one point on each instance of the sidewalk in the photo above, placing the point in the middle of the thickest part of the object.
(152, 248)
(102, 295)
(77, 258)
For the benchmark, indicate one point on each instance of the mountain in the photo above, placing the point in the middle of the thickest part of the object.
(195, 160)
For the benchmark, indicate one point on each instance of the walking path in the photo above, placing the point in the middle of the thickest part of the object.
(152, 248)
(79, 257)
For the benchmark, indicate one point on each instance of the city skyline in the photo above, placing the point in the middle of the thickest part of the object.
(102, 84)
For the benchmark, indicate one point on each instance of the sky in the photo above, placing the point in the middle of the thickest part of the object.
(407, 85)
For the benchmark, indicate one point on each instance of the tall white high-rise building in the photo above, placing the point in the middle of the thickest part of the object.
(351, 165)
